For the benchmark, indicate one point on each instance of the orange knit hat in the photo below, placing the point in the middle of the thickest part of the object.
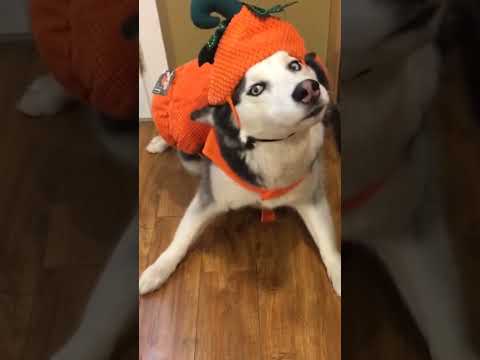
(248, 39)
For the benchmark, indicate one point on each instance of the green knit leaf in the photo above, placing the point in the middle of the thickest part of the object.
(263, 13)
(207, 54)
(201, 11)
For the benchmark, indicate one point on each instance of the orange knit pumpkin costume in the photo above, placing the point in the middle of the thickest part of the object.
(82, 44)
(247, 40)
(186, 92)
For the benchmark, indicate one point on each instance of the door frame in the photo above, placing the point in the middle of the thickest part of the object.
(334, 43)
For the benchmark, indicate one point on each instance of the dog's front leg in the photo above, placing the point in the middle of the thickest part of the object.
(198, 215)
(318, 219)
(423, 268)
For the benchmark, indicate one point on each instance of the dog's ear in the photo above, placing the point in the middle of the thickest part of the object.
(204, 115)
(332, 119)
(322, 77)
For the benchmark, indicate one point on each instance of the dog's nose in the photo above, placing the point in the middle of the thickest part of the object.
(307, 92)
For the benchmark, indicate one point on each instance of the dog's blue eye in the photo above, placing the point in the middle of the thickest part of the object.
(295, 66)
(256, 89)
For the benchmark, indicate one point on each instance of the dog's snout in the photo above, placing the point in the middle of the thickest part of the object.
(307, 92)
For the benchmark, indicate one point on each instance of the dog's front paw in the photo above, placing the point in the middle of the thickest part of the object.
(157, 145)
(155, 275)
(44, 97)
(334, 270)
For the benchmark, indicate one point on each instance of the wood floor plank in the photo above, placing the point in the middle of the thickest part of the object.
(317, 303)
(168, 317)
(228, 324)
(280, 322)
(72, 287)
(147, 180)
(62, 295)
(162, 193)
(145, 243)
(22, 235)
(43, 312)
(174, 195)
(229, 242)
(15, 312)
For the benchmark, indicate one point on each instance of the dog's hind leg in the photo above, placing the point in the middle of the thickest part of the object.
(200, 212)
(423, 268)
(157, 145)
(318, 219)
(44, 97)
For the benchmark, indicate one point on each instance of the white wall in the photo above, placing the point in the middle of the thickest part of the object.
(144, 99)
(153, 51)
(15, 18)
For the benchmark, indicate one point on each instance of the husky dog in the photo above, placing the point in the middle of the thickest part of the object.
(283, 105)
(390, 72)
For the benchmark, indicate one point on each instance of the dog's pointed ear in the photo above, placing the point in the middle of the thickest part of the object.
(204, 115)
(312, 60)
(332, 119)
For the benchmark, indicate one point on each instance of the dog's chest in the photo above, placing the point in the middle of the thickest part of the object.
(381, 113)
(283, 163)
(231, 195)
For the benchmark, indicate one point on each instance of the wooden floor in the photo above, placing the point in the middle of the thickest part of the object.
(256, 291)
(60, 215)
(247, 291)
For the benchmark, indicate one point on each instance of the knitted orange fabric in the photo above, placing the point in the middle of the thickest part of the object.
(81, 42)
(213, 152)
(248, 40)
(186, 93)
(172, 111)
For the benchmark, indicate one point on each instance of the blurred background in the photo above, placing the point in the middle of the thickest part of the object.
(68, 189)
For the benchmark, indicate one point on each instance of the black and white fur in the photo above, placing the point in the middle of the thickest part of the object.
(282, 112)
(390, 72)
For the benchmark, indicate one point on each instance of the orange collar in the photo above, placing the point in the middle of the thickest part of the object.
(363, 197)
(212, 151)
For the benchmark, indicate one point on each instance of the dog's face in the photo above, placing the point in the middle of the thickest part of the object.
(277, 97)
(281, 95)
(378, 31)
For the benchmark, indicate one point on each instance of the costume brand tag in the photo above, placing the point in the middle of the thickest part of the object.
(164, 83)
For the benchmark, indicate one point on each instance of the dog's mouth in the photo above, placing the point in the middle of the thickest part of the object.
(317, 109)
